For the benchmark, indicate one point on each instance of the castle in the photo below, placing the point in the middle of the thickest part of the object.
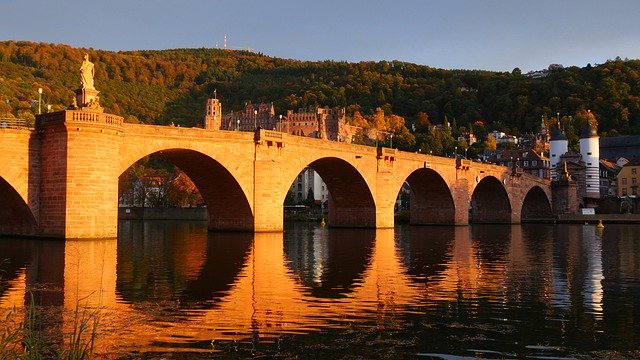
(316, 122)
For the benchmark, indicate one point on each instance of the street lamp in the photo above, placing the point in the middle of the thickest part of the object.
(39, 101)
(465, 153)
(237, 124)
(391, 142)
(376, 139)
(48, 108)
(455, 152)
(7, 101)
(255, 116)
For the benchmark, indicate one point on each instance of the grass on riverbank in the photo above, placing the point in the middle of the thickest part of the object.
(28, 339)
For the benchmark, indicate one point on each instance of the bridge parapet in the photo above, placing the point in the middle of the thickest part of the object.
(268, 137)
(77, 116)
(386, 153)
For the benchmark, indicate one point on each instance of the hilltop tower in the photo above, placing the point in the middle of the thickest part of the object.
(558, 147)
(213, 114)
(590, 151)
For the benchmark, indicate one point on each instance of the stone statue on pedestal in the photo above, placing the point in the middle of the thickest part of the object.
(87, 96)
(86, 73)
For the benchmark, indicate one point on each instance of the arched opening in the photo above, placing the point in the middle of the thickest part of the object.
(15, 215)
(350, 203)
(430, 201)
(490, 203)
(536, 205)
(226, 204)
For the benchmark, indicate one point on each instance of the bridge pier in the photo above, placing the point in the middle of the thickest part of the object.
(79, 196)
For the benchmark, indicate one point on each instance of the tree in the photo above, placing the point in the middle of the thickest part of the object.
(310, 200)
(422, 122)
(182, 192)
(289, 199)
(492, 144)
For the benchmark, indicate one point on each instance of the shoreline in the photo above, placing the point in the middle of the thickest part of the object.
(200, 213)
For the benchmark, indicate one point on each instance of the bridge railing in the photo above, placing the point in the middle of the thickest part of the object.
(12, 123)
(268, 137)
(77, 116)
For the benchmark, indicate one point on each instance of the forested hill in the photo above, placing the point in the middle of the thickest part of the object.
(172, 86)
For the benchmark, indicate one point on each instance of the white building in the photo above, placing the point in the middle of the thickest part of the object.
(307, 180)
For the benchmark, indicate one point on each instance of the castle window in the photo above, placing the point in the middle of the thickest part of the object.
(624, 192)
(634, 171)
(534, 162)
(588, 153)
(624, 181)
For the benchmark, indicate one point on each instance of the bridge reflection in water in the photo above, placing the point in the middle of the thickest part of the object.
(169, 286)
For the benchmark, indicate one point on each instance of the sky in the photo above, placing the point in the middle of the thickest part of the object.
(496, 35)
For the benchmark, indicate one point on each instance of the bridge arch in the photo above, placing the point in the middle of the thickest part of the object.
(351, 203)
(15, 215)
(431, 201)
(490, 202)
(536, 205)
(227, 202)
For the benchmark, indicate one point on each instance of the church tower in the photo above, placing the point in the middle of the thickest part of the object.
(590, 151)
(213, 114)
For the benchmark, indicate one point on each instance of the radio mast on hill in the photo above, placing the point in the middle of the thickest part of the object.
(225, 47)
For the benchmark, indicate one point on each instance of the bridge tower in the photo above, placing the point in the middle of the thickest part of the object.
(590, 151)
(558, 147)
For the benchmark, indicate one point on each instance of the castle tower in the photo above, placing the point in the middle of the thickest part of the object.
(558, 147)
(213, 115)
(590, 151)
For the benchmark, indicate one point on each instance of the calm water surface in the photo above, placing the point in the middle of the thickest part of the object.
(429, 292)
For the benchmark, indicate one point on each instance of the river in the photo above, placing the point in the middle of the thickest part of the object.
(433, 292)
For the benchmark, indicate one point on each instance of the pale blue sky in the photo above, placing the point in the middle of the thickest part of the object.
(453, 34)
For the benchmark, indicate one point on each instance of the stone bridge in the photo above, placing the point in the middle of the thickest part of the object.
(61, 179)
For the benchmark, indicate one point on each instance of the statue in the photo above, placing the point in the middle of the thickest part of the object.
(86, 73)
(74, 104)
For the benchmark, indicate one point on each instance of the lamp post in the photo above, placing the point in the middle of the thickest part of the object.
(376, 139)
(391, 142)
(465, 153)
(255, 116)
(455, 152)
(7, 102)
(48, 108)
(39, 101)
(237, 124)
(280, 122)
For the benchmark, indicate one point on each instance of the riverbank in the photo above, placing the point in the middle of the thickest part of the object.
(163, 213)
(200, 214)
(195, 214)
(594, 219)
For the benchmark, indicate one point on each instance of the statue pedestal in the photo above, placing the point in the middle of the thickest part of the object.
(88, 99)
